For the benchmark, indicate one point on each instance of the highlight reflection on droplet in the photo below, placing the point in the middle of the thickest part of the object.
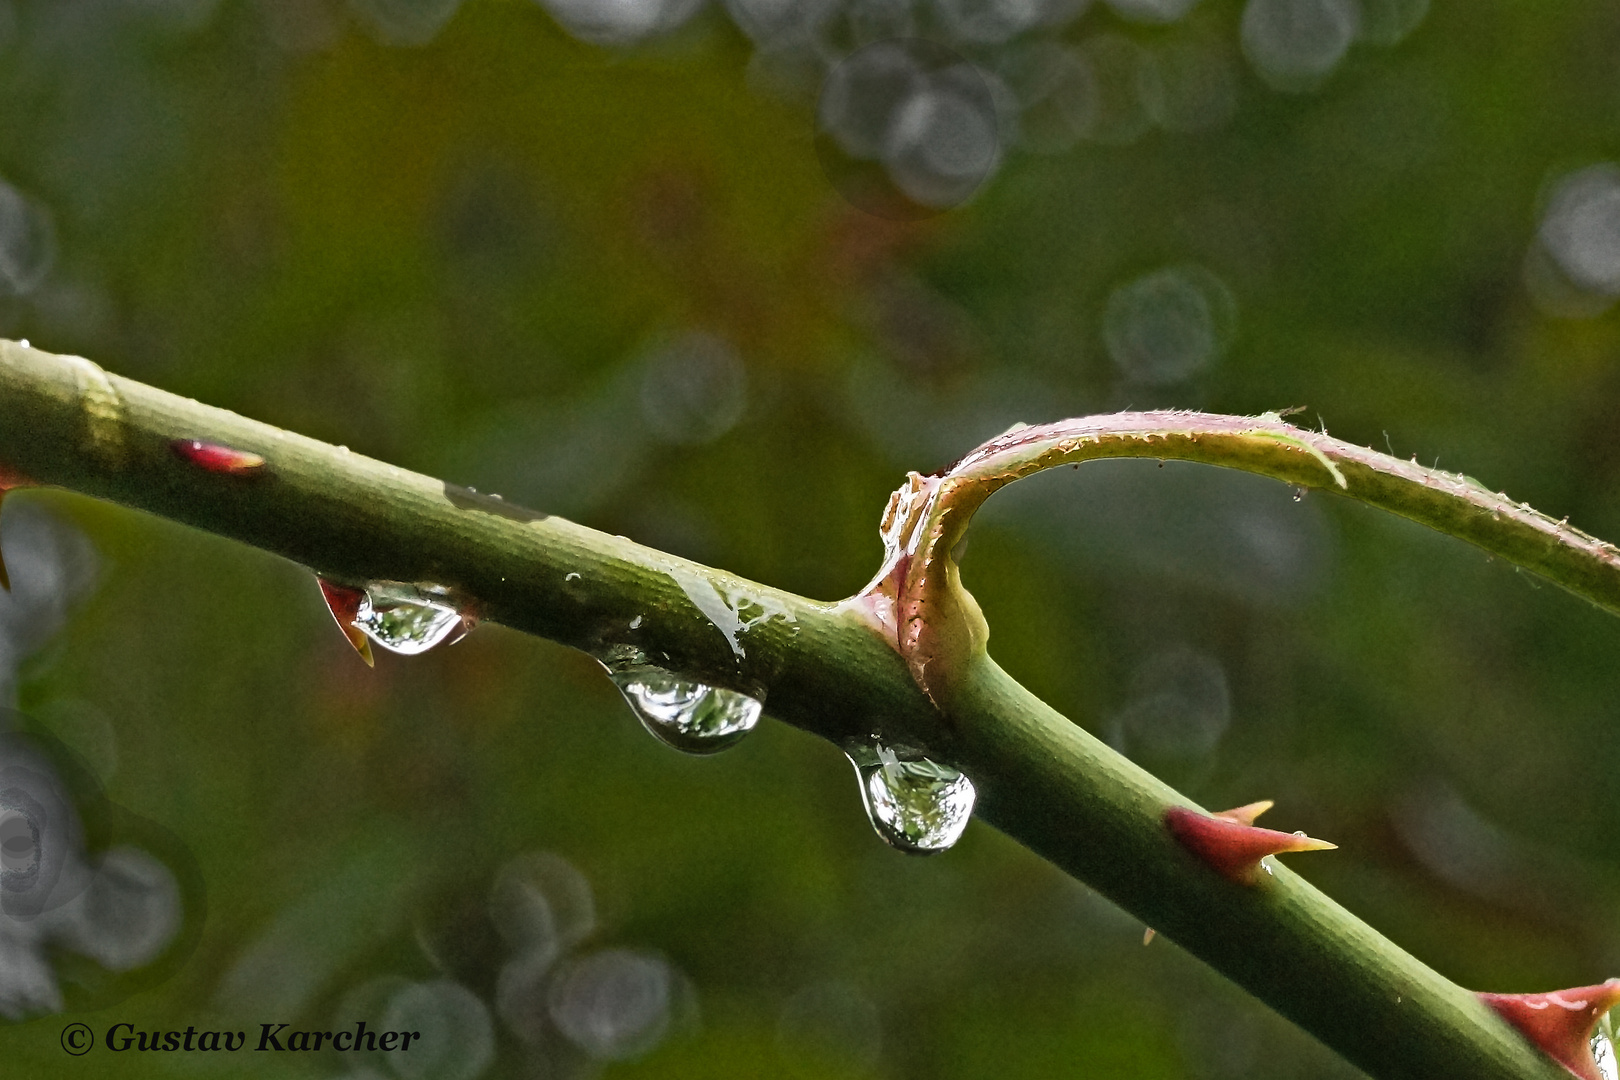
(407, 619)
(915, 804)
(690, 716)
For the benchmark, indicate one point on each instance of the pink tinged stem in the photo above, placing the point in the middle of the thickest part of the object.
(344, 604)
(217, 458)
(1230, 845)
(1560, 1023)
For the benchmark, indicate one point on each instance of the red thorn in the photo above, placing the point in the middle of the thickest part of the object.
(344, 604)
(1560, 1023)
(1230, 845)
(217, 458)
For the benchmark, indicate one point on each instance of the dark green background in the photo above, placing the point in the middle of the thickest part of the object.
(457, 257)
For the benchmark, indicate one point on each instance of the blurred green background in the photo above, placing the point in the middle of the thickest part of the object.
(598, 256)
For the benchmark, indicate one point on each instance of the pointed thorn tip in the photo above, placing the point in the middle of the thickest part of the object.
(1232, 847)
(343, 601)
(1560, 1023)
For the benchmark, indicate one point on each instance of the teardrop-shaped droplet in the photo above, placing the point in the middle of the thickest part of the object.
(915, 803)
(693, 717)
(408, 619)
(402, 618)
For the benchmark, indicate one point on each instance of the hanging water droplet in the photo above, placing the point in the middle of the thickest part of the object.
(408, 619)
(915, 803)
(402, 618)
(692, 717)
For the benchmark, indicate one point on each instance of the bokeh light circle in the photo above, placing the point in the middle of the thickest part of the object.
(907, 128)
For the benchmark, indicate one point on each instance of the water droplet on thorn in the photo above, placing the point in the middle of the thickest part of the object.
(410, 619)
(402, 618)
(1231, 845)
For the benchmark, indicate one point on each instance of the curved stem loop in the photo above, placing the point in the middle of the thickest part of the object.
(918, 601)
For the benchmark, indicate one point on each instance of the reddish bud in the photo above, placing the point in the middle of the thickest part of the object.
(1230, 844)
(216, 458)
(344, 604)
(1560, 1023)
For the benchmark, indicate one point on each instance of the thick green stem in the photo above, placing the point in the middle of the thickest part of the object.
(1043, 780)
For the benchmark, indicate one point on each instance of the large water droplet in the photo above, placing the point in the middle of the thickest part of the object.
(693, 717)
(407, 619)
(916, 804)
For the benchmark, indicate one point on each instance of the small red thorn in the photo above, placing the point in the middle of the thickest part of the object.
(1560, 1023)
(344, 604)
(1230, 844)
(216, 458)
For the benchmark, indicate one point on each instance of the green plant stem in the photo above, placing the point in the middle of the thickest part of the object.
(1043, 780)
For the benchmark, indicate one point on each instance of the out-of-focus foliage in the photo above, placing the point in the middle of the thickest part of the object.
(591, 255)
